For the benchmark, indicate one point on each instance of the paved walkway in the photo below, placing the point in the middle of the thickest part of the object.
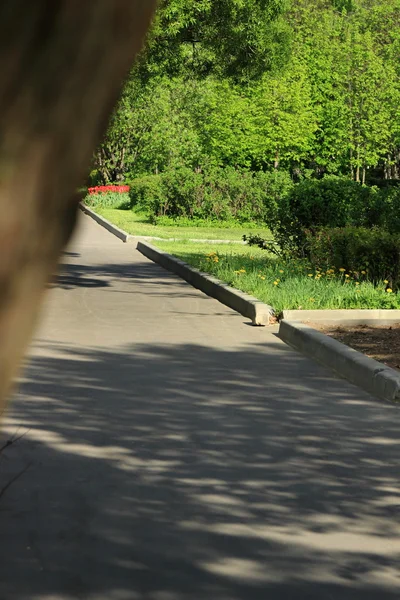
(177, 453)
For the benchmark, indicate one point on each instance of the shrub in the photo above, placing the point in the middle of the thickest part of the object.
(219, 194)
(183, 191)
(373, 253)
(146, 194)
(275, 187)
(311, 204)
(385, 211)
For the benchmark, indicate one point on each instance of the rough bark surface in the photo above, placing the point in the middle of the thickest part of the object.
(62, 64)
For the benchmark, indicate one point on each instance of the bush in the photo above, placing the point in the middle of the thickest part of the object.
(328, 202)
(374, 253)
(383, 183)
(217, 194)
(146, 194)
(166, 221)
(183, 191)
(385, 212)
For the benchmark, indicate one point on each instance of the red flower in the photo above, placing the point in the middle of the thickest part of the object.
(100, 189)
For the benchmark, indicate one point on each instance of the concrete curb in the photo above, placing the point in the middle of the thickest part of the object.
(344, 317)
(122, 235)
(248, 306)
(351, 316)
(369, 374)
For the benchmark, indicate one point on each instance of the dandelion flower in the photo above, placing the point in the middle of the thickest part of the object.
(389, 291)
(310, 275)
(363, 272)
(342, 270)
(347, 275)
(262, 277)
(357, 283)
(385, 281)
(276, 282)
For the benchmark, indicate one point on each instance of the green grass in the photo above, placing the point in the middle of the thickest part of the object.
(290, 285)
(138, 224)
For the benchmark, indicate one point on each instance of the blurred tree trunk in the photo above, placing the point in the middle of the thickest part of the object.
(62, 64)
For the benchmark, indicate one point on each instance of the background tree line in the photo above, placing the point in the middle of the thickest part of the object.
(302, 89)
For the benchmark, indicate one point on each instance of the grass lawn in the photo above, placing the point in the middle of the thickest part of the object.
(137, 224)
(291, 285)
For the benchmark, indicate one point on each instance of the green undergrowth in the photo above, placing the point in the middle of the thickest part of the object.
(136, 223)
(284, 285)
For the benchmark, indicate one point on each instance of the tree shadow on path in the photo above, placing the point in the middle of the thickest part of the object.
(185, 472)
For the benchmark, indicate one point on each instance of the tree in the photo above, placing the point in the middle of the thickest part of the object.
(236, 38)
(284, 118)
(368, 87)
(62, 64)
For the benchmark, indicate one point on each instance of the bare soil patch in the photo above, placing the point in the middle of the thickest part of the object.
(381, 343)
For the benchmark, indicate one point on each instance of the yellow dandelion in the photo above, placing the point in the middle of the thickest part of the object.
(342, 270)
(262, 277)
(385, 281)
(216, 259)
(364, 272)
(347, 275)
(276, 282)
(389, 291)
(310, 275)
(357, 283)
(280, 270)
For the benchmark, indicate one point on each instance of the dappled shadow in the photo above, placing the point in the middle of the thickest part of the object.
(185, 472)
(72, 275)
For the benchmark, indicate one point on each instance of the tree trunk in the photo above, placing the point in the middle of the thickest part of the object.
(62, 64)
(276, 161)
(358, 165)
(351, 164)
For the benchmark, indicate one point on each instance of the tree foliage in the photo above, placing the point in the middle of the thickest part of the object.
(312, 88)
